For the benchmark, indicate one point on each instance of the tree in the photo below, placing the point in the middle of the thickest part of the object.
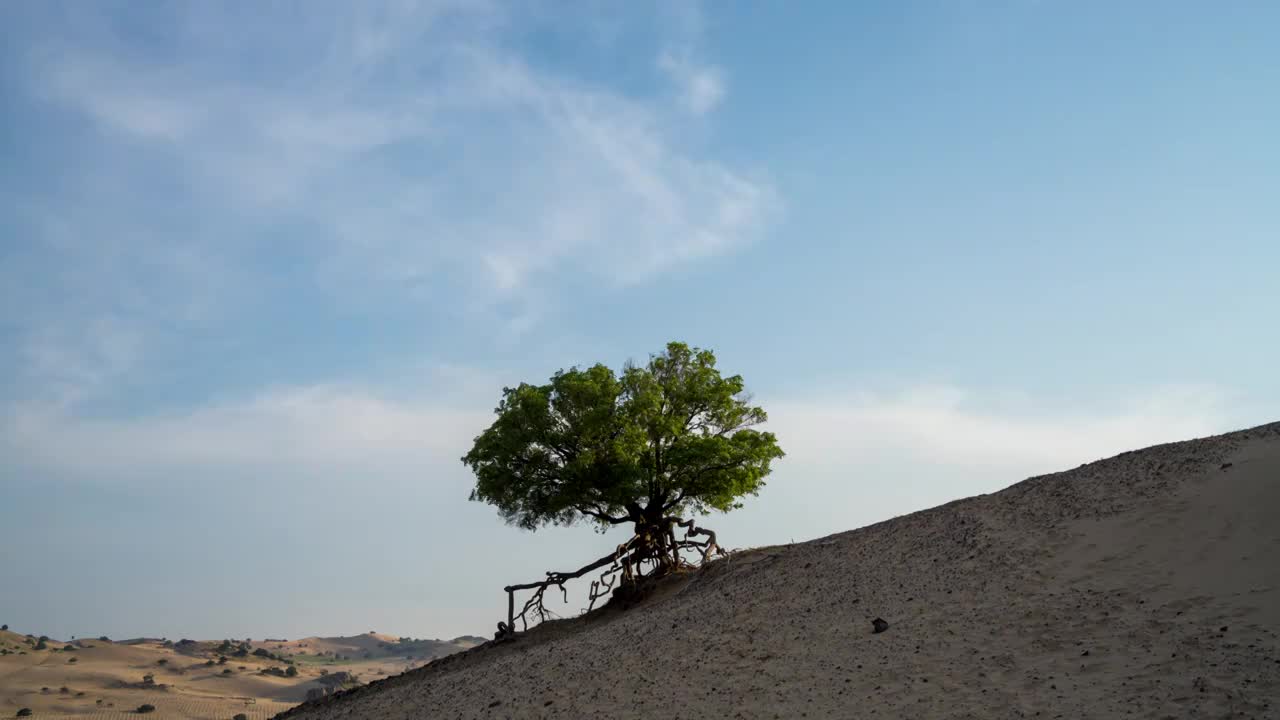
(648, 447)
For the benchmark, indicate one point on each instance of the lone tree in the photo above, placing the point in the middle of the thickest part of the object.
(649, 447)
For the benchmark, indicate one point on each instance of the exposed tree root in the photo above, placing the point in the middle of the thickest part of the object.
(654, 546)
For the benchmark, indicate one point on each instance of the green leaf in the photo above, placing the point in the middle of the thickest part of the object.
(669, 438)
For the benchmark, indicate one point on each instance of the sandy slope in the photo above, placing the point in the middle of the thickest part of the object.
(1146, 585)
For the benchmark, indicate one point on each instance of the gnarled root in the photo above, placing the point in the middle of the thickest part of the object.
(656, 546)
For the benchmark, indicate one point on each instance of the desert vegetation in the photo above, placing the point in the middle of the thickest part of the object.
(650, 447)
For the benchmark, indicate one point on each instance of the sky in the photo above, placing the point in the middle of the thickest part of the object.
(265, 268)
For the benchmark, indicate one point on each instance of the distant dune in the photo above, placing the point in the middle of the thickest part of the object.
(188, 679)
(1146, 585)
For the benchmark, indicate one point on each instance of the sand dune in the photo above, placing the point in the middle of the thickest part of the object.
(1146, 585)
(104, 679)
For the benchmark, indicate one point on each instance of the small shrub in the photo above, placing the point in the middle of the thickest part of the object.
(72, 660)
(149, 679)
(240, 716)
(4, 627)
(208, 662)
(64, 690)
(162, 661)
(104, 638)
(292, 671)
(146, 708)
(42, 645)
(44, 689)
(261, 653)
(24, 712)
(227, 671)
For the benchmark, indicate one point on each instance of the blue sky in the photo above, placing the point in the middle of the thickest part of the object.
(264, 269)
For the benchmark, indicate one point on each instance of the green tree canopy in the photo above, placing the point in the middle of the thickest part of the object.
(667, 439)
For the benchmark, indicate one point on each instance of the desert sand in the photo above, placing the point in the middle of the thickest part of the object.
(105, 679)
(1146, 585)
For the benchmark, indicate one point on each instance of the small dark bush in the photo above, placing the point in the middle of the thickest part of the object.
(72, 660)
(260, 652)
(64, 690)
(42, 645)
(146, 708)
(162, 661)
(292, 671)
(227, 671)
(104, 638)
(240, 716)
(24, 712)
(4, 627)
(149, 678)
(208, 662)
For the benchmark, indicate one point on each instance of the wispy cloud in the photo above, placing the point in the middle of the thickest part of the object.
(329, 429)
(702, 87)
(402, 151)
(952, 427)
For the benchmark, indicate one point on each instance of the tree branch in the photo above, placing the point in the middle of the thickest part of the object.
(603, 517)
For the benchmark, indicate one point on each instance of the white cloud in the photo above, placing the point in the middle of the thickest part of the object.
(701, 87)
(563, 173)
(949, 427)
(432, 160)
(329, 430)
(323, 429)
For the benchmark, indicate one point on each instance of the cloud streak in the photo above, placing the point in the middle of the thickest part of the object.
(333, 428)
(407, 152)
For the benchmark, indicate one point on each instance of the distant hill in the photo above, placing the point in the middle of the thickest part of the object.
(214, 679)
(1145, 585)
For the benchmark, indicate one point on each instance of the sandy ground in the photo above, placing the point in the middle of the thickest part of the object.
(1146, 586)
(102, 679)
